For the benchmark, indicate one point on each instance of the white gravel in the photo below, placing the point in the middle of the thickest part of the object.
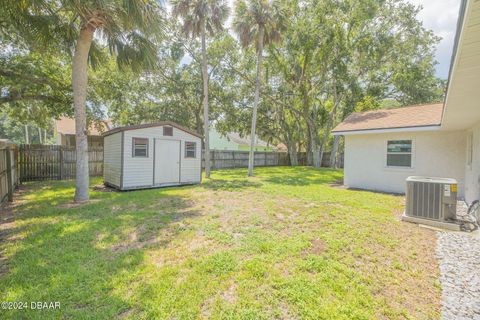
(458, 254)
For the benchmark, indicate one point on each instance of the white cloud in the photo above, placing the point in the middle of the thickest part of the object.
(441, 17)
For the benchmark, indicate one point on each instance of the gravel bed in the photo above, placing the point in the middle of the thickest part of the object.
(458, 254)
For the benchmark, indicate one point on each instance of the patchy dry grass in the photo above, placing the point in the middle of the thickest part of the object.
(286, 244)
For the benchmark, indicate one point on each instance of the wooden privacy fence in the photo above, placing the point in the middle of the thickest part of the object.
(48, 162)
(8, 172)
(223, 159)
(228, 159)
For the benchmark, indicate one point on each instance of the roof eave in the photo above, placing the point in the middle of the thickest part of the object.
(387, 130)
(150, 125)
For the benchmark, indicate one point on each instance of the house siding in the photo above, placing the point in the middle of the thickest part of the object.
(472, 169)
(112, 159)
(437, 154)
(139, 172)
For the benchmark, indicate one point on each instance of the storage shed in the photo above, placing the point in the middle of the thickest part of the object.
(151, 155)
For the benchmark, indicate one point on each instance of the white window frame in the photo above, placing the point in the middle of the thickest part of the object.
(412, 153)
(194, 150)
(134, 145)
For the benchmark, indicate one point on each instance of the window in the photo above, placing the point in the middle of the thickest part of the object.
(140, 147)
(399, 153)
(168, 131)
(190, 149)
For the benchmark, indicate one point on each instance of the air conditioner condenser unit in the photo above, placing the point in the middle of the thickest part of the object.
(431, 201)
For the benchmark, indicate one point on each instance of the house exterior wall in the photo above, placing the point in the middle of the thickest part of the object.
(219, 142)
(138, 172)
(112, 160)
(472, 164)
(68, 140)
(435, 153)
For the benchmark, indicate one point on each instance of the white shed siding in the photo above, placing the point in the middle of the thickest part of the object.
(138, 172)
(438, 154)
(112, 163)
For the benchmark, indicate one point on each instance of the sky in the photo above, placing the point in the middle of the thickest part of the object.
(441, 17)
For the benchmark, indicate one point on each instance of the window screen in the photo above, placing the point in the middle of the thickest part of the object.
(140, 147)
(190, 149)
(168, 131)
(399, 153)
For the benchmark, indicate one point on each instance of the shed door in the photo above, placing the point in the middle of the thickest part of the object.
(167, 161)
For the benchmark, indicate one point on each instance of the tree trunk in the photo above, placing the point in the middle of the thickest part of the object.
(316, 158)
(27, 138)
(334, 153)
(205, 104)
(79, 83)
(199, 122)
(292, 152)
(40, 135)
(258, 83)
(314, 145)
(308, 148)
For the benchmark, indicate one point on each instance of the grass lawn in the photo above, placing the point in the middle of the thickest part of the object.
(286, 244)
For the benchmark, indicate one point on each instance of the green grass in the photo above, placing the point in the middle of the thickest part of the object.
(284, 244)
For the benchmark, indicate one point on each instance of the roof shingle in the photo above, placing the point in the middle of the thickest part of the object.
(405, 117)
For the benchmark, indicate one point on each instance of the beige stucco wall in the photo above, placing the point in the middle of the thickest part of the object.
(435, 153)
(472, 164)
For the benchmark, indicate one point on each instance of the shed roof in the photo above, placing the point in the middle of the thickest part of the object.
(150, 125)
(404, 117)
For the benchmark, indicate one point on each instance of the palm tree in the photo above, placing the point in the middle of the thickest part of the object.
(85, 25)
(259, 22)
(200, 16)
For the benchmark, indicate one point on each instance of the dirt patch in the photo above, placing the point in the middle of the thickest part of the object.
(318, 246)
(230, 295)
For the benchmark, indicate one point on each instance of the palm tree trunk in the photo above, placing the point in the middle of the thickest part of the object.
(39, 135)
(79, 82)
(205, 104)
(258, 83)
(27, 139)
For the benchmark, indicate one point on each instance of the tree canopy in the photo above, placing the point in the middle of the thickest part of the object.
(333, 58)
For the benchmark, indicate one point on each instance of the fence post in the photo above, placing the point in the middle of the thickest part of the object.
(212, 153)
(9, 174)
(265, 159)
(233, 157)
(60, 149)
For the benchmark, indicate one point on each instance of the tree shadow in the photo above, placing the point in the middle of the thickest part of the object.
(76, 255)
(230, 185)
(304, 176)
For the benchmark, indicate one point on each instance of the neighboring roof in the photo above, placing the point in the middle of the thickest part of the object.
(245, 141)
(405, 117)
(66, 125)
(150, 125)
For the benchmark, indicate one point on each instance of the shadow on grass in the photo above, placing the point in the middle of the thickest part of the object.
(303, 176)
(77, 255)
(230, 185)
